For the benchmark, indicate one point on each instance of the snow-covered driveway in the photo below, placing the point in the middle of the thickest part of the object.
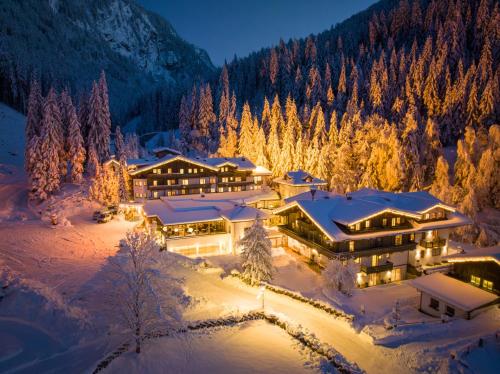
(219, 296)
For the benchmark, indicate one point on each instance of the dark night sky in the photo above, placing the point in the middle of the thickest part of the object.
(227, 27)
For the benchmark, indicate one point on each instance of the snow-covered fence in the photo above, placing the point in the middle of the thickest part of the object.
(299, 297)
(296, 332)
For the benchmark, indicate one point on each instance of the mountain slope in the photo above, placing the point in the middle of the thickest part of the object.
(71, 41)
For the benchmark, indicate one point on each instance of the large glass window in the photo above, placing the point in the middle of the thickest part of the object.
(476, 281)
(398, 239)
(487, 285)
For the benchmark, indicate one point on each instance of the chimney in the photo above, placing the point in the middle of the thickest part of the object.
(348, 197)
(313, 192)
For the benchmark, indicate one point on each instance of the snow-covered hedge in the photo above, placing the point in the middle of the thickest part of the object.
(297, 296)
(298, 333)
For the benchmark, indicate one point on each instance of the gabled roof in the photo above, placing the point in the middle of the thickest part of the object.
(453, 292)
(170, 158)
(328, 211)
(300, 178)
(166, 149)
(243, 213)
(212, 163)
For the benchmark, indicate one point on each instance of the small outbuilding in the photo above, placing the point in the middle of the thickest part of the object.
(443, 295)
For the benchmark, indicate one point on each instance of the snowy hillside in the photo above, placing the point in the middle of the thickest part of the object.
(11, 136)
(71, 41)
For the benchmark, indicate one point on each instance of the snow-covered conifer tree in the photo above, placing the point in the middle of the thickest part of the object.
(105, 122)
(119, 145)
(76, 150)
(441, 187)
(246, 146)
(47, 173)
(256, 254)
(33, 126)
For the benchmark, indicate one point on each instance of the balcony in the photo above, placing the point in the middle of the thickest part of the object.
(436, 243)
(388, 266)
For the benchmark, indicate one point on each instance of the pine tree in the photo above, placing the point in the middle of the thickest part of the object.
(411, 153)
(93, 165)
(441, 187)
(340, 277)
(261, 149)
(246, 146)
(76, 149)
(256, 254)
(105, 122)
(119, 145)
(46, 173)
(184, 125)
(33, 126)
(205, 121)
(431, 150)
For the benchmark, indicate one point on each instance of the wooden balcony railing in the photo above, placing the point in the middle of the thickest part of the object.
(436, 243)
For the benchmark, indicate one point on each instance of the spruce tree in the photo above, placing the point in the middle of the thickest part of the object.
(33, 127)
(256, 254)
(76, 150)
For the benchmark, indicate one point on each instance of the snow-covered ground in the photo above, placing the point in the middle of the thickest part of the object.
(252, 347)
(11, 136)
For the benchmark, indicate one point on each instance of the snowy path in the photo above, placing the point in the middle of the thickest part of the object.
(223, 296)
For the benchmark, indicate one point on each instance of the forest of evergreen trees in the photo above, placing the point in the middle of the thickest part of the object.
(63, 144)
(369, 104)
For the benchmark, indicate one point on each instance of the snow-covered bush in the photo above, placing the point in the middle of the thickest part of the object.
(256, 254)
(339, 276)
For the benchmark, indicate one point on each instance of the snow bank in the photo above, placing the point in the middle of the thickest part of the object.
(31, 301)
(11, 136)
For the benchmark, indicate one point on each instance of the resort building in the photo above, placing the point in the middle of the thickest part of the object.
(204, 225)
(442, 295)
(385, 233)
(297, 182)
(174, 174)
(479, 267)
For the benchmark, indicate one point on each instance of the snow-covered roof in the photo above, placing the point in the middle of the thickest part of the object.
(177, 210)
(139, 162)
(261, 170)
(318, 195)
(476, 255)
(300, 178)
(166, 149)
(453, 292)
(212, 163)
(241, 163)
(171, 216)
(239, 197)
(327, 210)
(243, 213)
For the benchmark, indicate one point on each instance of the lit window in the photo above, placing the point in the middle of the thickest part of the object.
(201, 170)
(203, 181)
(213, 180)
(398, 220)
(195, 170)
(225, 179)
(384, 222)
(488, 285)
(368, 224)
(351, 227)
(398, 239)
(357, 260)
(351, 246)
(358, 226)
(393, 222)
(221, 189)
(155, 183)
(155, 194)
(184, 182)
(426, 216)
(237, 179)
(475, 280)
(212, 189)
(190, 171)
(412, 237)
(181, 171)
(169, 170)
